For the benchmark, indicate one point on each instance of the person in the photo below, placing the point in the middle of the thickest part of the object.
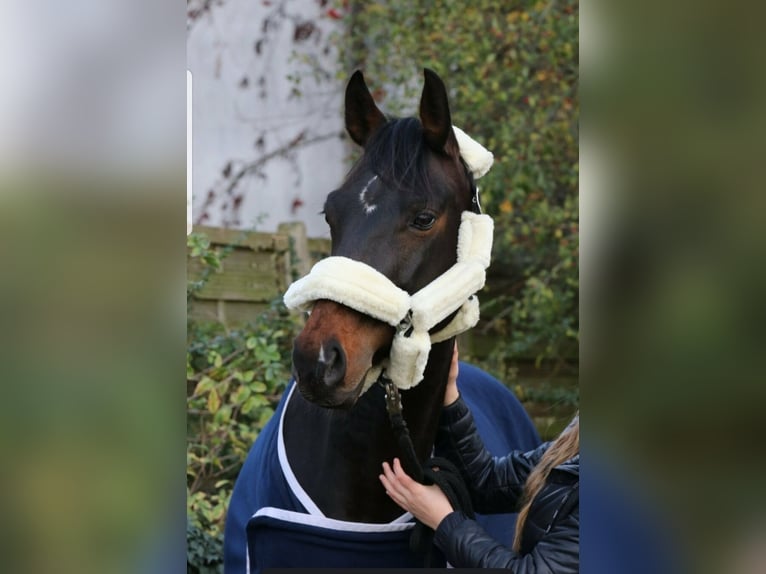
(541, 485)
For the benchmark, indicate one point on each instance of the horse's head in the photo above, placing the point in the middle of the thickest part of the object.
(398, 211)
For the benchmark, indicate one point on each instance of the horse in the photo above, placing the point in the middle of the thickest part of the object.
(308, 493)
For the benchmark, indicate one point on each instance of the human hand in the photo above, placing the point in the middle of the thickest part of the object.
(426, 503)
(451, 394)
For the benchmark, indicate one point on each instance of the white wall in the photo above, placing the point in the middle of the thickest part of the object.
(229, 119)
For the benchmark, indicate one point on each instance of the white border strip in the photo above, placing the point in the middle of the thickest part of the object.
(292, 481)
(297, 489)
(331, 523)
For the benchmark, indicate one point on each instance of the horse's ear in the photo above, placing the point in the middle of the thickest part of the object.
(435, 116)
(363, 117)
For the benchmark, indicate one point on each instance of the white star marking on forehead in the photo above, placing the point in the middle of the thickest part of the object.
(368, 207)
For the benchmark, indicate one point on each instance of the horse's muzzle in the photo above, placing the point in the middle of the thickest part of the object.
(334, 352)
(323, 368)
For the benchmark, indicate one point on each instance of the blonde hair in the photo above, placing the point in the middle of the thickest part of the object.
(566, 446)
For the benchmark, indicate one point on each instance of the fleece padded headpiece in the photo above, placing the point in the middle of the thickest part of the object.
(364, 289)
(478, 158)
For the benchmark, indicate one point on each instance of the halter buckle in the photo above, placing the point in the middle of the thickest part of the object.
(393, 398)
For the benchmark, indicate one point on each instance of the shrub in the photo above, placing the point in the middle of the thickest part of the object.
(234, 380)
(511, 68)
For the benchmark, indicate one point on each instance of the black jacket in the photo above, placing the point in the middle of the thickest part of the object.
(550, 539)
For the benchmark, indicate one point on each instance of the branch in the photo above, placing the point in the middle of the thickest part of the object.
(195, 11)
(282, 151)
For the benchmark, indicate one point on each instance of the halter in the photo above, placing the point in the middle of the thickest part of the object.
(361, 287)
(364, 289)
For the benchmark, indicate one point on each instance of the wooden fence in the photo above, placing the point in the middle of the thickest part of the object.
(256, 270)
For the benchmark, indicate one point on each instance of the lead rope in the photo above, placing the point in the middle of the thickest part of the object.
(436, 470)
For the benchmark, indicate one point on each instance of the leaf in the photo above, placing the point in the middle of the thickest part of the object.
(213, 402)
(206, 384)
(249, 405)
(223, 415)
(241, 394)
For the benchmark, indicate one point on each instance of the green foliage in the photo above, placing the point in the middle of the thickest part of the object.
(203, 551)
(511, 68)
(234, 381)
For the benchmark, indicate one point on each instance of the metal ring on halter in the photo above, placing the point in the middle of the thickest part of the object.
(405, 326)
(475, 201)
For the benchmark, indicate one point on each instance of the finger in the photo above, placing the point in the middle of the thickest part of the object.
(454, 368)
(394, 484)
(403, 478)
(392, 493)
(388, 472)
(398, 468)
(388, 483)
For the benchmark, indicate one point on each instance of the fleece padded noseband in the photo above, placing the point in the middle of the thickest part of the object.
(357, 285)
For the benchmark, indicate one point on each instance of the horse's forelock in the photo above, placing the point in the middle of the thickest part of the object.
(397, 154)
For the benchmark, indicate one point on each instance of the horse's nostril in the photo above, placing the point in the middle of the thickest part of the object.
(335, 364)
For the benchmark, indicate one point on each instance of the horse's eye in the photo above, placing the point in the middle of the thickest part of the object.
(424, 220)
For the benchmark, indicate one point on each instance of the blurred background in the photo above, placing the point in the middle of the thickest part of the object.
(669, 244)
(92, 140)
(673, 244)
